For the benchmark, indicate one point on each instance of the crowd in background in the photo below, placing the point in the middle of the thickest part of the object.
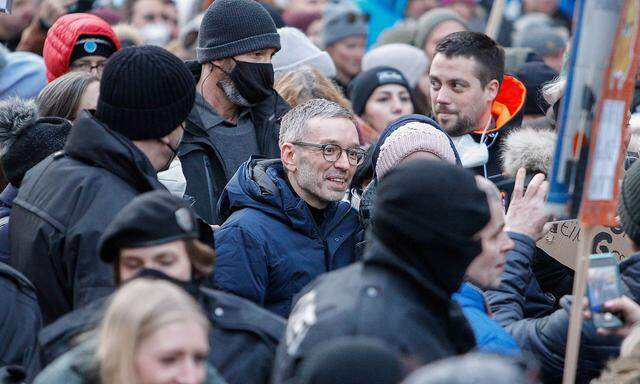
(291, 191)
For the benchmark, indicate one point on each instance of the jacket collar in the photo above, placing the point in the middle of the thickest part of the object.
(471, 296)
(379, 254)
(92, 142)
(507, 106)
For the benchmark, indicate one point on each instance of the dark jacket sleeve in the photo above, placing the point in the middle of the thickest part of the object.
(509, 299)
(241, 264)
(544, 337)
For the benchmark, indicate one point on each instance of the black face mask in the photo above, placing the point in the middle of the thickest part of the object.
(192, 287)
(254, 81)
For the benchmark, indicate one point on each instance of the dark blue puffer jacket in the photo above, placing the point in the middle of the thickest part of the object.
(544, 337)
(269, 246)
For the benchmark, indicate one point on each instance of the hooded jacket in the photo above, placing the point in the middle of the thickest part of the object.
(401, 291)
(546, 336)
(365, 209)
(243, 337)
(506, 114)
(64, 204)
(383, 14)
(202, 163)
(270, 246)
(62, 38)
(20, 319)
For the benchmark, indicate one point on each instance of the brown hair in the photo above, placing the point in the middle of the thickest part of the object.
(202, 256)
(306, 83)
(61, 97)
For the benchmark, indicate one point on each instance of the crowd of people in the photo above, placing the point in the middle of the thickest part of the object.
(291, 191)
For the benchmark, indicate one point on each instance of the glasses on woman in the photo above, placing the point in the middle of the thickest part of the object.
(333, 152)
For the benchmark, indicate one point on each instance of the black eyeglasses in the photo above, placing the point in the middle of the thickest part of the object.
(88, 67)
(333, 152)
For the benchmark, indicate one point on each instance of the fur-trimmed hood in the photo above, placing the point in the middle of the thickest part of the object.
(531, 148)
(15, 115)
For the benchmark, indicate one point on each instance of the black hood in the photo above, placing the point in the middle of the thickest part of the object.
(426, 214)
(94, 143)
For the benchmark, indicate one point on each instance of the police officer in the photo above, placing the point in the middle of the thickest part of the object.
(158, 235)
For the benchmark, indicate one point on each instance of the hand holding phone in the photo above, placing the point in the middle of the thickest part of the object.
(603, 285)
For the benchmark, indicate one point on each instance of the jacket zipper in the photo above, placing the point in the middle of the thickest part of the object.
(205, 160)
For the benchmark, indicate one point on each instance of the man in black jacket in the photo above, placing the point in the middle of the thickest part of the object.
(158, 236)
(67, 200)
(237, 112)
(426, 231)
(472, 99)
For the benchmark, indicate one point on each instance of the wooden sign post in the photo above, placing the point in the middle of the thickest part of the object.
(605, 158)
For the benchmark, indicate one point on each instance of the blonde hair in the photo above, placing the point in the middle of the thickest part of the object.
(137, 310)
(306, 83)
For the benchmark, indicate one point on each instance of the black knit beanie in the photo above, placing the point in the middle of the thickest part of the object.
(629, 203)
(32, 144)
(363, 85)
(427, 213)
(145, 92)
(233, 27)
(92, 45)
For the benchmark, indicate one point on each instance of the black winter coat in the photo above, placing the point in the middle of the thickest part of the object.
(20, 321)
(202, 164)
(545, 337)
(382, 297)
(64, 204)
(243, 338)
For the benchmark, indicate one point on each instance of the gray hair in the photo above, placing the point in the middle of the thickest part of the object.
(294, 124)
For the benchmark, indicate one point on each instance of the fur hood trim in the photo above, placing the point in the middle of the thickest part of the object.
(529, 148)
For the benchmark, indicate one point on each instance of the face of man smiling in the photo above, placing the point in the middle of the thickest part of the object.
(315, 179)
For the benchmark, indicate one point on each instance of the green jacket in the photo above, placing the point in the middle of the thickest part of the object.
(79, 367)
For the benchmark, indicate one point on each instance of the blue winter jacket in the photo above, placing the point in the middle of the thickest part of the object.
(544, 337)
(269, 246)
(383, 14)
(490, 336)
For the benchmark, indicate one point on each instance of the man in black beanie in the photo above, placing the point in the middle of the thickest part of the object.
(426, 231)
(237, 112)
(66, 201)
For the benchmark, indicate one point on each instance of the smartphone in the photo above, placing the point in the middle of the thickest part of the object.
(603, 284)
(5, 6)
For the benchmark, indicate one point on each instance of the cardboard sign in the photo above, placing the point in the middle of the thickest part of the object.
(561, 242)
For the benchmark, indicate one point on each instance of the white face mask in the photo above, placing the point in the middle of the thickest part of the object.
(472, 154)
(156, 34)
(174, 179)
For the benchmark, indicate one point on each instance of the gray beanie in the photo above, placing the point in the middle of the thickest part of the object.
(409, 60)
(342, 20)
(544, 41)
(234, 27)
(430, 20)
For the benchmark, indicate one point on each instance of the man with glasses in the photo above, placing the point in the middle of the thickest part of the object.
(286, 222)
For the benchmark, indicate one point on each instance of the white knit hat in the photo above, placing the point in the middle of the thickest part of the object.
(411, 138)
(297, 50)
(409, 60)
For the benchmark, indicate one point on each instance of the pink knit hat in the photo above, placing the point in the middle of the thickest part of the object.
(411, 138)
